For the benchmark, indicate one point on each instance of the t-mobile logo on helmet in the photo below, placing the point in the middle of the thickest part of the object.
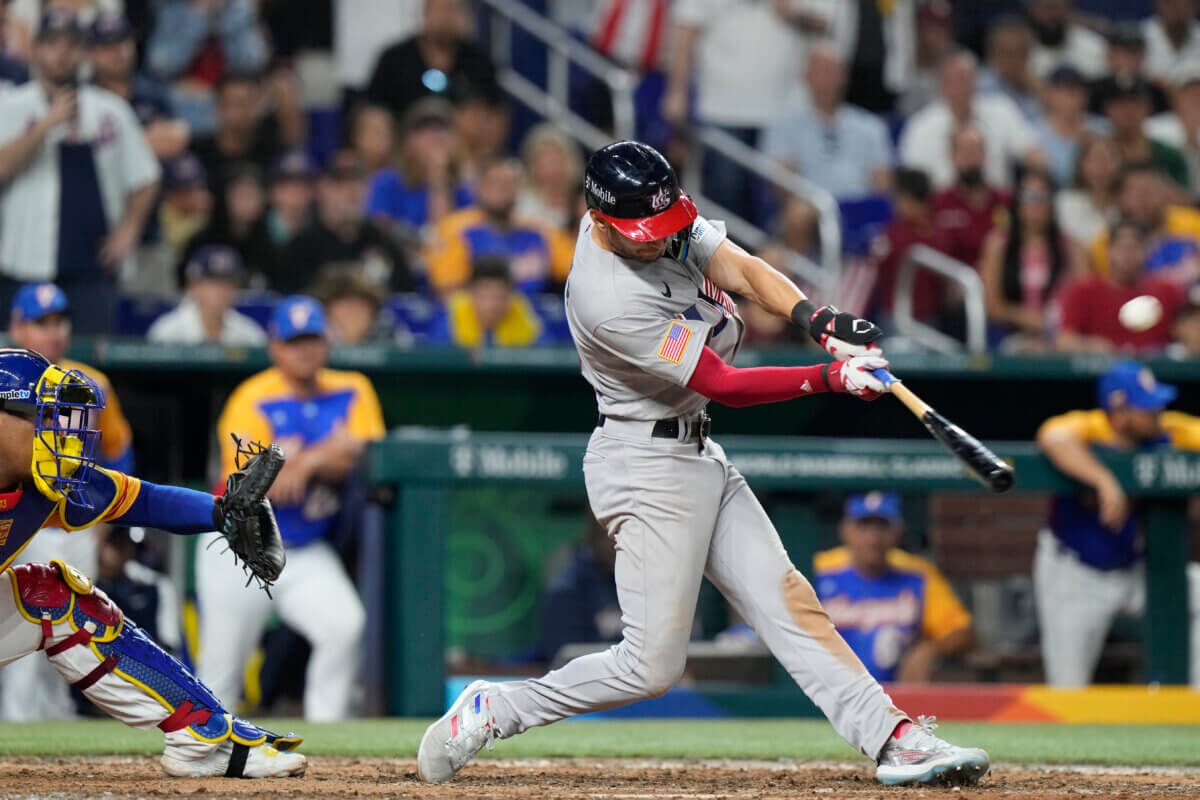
(661, 199)
(602, 194)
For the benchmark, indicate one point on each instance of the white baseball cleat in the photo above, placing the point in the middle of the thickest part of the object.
(920, 757)
(451, 742)
(231, 760)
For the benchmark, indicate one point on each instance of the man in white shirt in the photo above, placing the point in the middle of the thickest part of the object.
(837, 146)
(80, 180)
(1172, 37)
(1009, 138)
(206, 314)
(1059, 41)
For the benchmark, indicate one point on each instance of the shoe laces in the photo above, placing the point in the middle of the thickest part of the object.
(478, 730)
(920, 736)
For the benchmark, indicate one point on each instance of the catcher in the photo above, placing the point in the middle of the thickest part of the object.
(49, 478)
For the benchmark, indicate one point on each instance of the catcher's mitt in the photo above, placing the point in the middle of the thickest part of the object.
(244, 515)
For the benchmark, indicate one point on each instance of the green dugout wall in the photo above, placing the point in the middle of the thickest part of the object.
(423, 467)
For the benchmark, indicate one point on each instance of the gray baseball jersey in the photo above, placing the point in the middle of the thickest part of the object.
(640, 327)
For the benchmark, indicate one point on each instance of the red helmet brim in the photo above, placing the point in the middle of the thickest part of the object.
(650, 229)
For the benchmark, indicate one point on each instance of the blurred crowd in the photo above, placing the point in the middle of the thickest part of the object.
(177, 166)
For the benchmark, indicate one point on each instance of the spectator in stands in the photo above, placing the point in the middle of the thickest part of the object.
(1145, 195)
(113, 56)
(710, 37)
(291, 197)
(440, 60)
(1091, 305)
(1065, 122)
(240, 222)
(580, 603)
(1061, 42)
(1024, 264)
(1172, 37)
(424, 186)
(895, 610)
(340, 232)
(935, 41)
(911, 224)
(1008, 71)
(488, 311)
(969, 209)
(136, 588)
(843, 149)
(553, 174)
(206, 314)
(1007, 137)
(1084, 209)
(481, 126)
(538, 257)
(1127, 108)
(352, 306)
(373, 136)
(1126, 62)
(325, 419)
(186, 203)
(1089, 565)
(1180, 126)
(197, 43)
(14, 69)
(243, 134)
(1187, 332)
(74, 153)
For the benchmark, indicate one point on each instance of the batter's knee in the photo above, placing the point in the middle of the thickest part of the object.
(655, 670)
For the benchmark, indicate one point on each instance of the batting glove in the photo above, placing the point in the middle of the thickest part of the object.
(839, 333)
(856, 376)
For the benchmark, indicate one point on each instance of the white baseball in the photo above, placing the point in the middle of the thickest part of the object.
(1141, 313)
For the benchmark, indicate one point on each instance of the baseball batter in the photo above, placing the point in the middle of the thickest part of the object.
(656, 331)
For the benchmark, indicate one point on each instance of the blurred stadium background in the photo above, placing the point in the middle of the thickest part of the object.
(332, 163)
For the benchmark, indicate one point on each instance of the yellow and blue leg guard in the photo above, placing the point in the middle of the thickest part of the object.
(118, 667)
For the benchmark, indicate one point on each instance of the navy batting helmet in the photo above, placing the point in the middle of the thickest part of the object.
(64, 407)
(635, 190)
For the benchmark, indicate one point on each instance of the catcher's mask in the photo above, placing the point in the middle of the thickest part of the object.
(65, 410)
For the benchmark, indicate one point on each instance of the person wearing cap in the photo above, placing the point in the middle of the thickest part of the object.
(323, 419)
(438, 60)
(40, 320)
(186, 206)
(1059, 41)
(1172, 37)
(896, 610)
(112, 52)
(290, 196)
(1127, 107)
(426, 183)
(1009, 72)
(206, 314)
(340, 232)
(1147, 196)
(79, 180)
(1093, 318)
(1064, 122)
(539, 256)
(1008, 136)
(488, 312)
(1088, 568)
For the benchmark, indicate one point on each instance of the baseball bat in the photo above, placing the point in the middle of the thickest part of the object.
(981, 462)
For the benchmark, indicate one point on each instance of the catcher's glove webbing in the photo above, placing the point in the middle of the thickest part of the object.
(244, 515)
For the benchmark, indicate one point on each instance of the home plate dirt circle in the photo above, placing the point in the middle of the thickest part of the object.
(112, 778)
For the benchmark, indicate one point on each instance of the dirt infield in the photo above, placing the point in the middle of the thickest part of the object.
(331, 778)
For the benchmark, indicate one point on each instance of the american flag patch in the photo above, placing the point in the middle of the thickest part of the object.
(674, 342)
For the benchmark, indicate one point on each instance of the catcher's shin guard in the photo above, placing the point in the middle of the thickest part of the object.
(119, 668)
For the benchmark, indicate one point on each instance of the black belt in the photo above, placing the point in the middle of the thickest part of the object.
(669, 428)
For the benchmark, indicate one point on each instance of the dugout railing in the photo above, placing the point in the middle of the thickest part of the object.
(419, 470)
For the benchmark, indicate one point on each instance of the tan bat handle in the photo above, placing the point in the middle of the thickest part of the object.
(905, 395)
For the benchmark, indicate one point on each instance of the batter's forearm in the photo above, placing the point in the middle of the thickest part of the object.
(750, 386)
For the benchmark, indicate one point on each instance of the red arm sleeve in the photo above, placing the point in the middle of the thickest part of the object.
(731, 386)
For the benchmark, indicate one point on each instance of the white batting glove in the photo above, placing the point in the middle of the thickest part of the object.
(856, 376)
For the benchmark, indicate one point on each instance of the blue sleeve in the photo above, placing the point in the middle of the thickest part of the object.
(242, 41)
(171, 508)
(379, 195)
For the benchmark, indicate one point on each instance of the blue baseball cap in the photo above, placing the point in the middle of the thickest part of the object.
(109, 28)
(297, 315)
(1130, 384)
(36, 300)
(884, 505)
(215, 261)
(184, 171)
